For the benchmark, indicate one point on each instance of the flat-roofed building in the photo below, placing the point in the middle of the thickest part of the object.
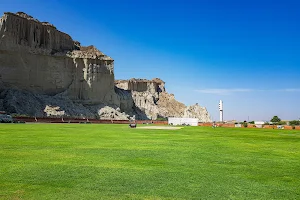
(183, 121)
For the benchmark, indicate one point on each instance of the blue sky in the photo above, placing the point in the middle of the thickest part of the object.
(245, 52)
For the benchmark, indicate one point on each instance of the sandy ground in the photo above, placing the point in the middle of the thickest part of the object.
(159, 127)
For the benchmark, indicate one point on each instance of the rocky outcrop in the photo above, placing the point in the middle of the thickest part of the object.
(36, 57)
(142, 85)
(21, 32)
(169, 107)
(150, 98)
(109, 113)
(196, 111)
(44, 72)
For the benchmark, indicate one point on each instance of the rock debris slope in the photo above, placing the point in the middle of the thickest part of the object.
(44, 72)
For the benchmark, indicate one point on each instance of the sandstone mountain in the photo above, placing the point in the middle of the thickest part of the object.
(44, 72)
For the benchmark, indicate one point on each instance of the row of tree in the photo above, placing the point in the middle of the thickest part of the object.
(277, 121)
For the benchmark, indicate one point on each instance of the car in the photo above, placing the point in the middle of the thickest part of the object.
(132, 125)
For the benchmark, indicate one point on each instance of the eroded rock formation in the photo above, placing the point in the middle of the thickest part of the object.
(44, 72)
(151, 98)
(36, 57)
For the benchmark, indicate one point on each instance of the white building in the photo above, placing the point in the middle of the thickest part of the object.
(259, 124)
(183, 121)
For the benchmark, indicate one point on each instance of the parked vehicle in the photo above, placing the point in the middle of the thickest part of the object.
(4, 118)
(132, 122)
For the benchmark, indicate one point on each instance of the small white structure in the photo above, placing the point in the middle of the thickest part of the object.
(221, 110)
(238, 125)
(280, 127)
(183, 121)
(259, 124)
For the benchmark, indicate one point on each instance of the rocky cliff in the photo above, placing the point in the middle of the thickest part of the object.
(36, 57)
(150, 98)
(44, 72)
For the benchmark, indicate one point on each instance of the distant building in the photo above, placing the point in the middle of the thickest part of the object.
(259, 124)
(183, 121)
(238, 125)
(231, 121)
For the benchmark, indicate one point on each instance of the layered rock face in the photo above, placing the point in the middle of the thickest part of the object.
(139, 96)
(36, 57)
(196, 111)
(44, 72)
(149, 100)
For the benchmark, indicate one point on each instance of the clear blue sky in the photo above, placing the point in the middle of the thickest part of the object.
(245, 52)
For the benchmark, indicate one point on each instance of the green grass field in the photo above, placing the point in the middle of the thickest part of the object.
(87, 161)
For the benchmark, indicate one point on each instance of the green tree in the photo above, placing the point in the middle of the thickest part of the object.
(295, 123)
(275, 119)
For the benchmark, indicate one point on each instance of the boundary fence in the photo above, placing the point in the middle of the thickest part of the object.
(249, 126)
(74, 120)
(97, 121)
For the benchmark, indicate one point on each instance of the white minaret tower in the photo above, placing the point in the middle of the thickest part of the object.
(221, 110)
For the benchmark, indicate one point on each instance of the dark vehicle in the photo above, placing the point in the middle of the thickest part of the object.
(132, 123)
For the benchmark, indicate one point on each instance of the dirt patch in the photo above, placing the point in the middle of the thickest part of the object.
(159, 127)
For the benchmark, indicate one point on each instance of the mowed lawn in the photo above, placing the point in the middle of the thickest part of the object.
(89, 161)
